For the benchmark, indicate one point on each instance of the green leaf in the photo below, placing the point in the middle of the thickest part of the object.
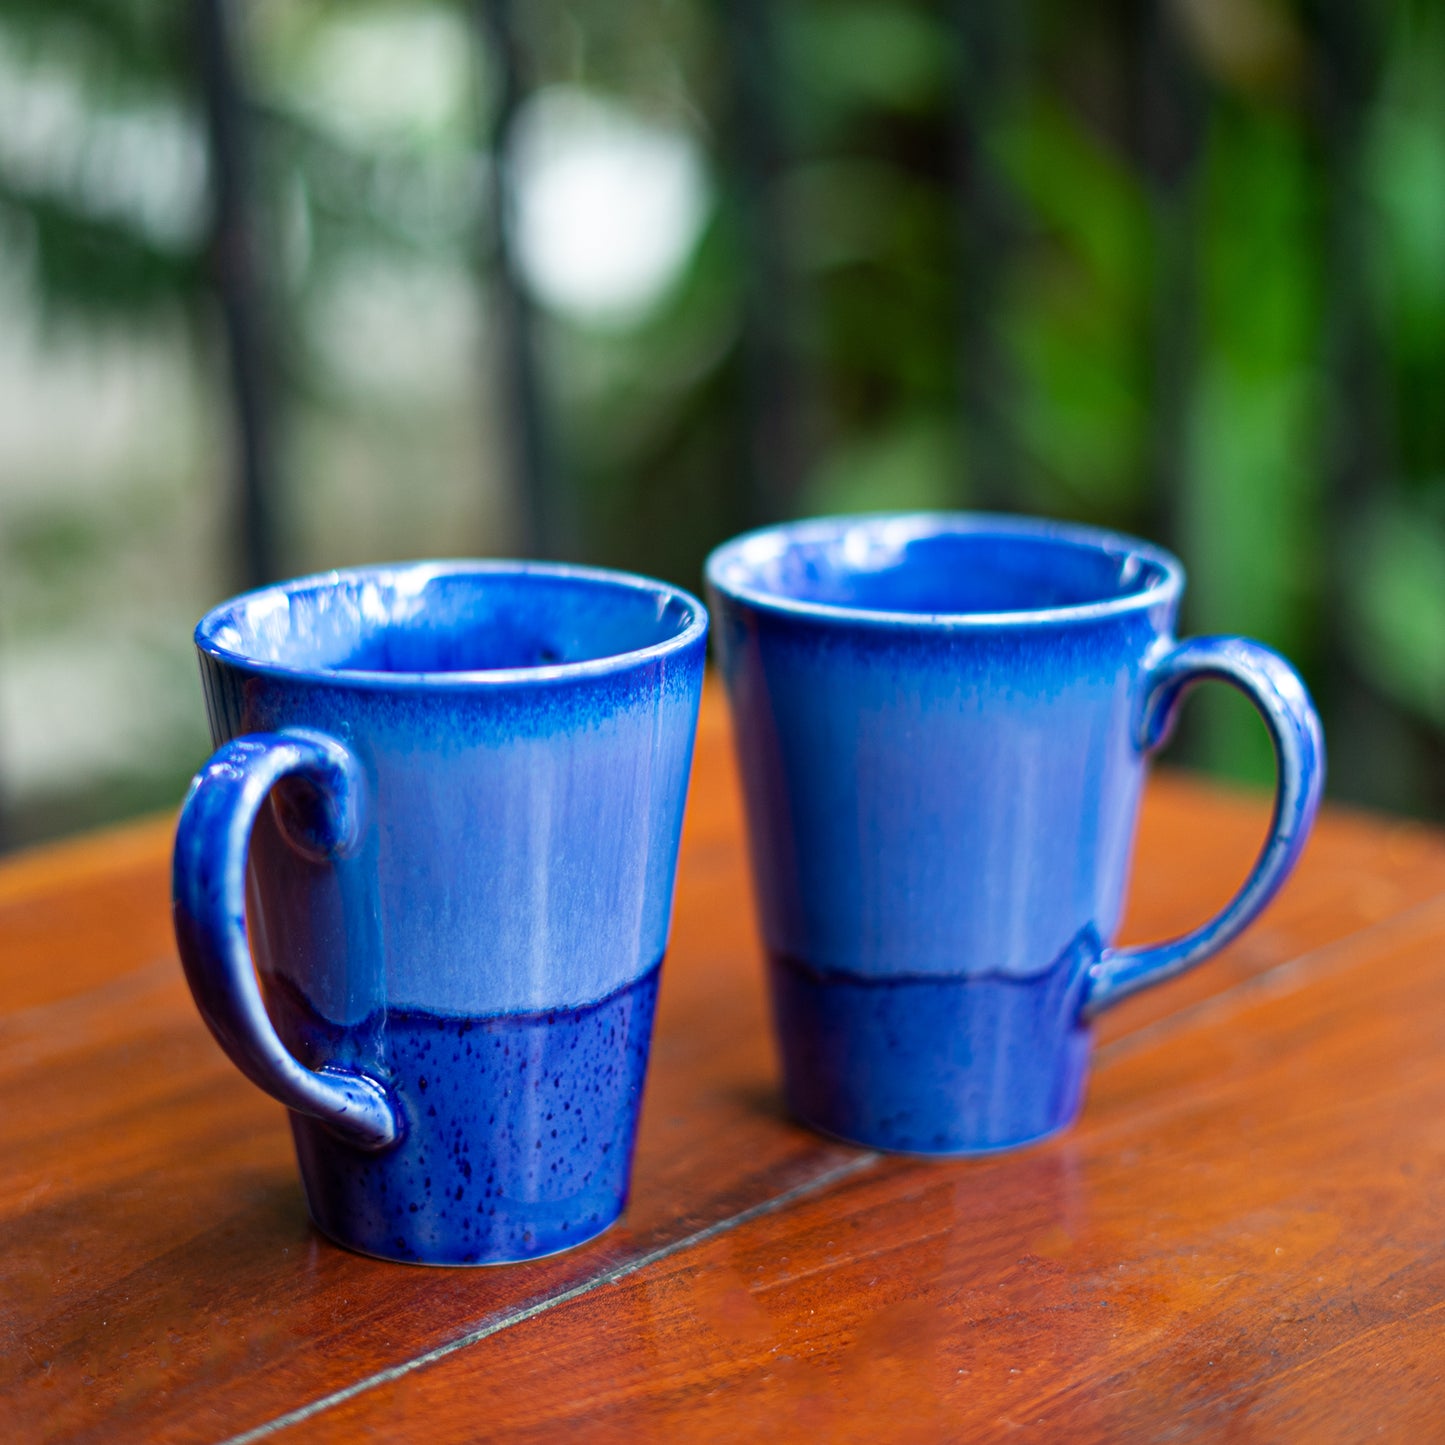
(910, 464)
(846, 56)
(1398, 609)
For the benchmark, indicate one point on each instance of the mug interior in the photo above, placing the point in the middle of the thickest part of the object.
(429, 619)
(937, 567)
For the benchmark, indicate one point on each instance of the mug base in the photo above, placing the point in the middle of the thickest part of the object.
(884, 1145)
(950, 1066)
(444, 1261)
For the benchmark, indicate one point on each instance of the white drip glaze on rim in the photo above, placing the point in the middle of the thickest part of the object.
(735, 569)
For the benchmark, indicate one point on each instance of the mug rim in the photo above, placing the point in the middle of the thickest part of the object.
(916, 526)
(427, 569)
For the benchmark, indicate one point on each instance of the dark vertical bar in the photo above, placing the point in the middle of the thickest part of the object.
(1169, 123)
(773, 459)
(543, 521)
(6, 825)
(1347, 53)
(234, 261)
(986, 42)
(1346, 74)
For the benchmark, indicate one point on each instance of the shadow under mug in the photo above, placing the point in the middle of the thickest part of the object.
(458, 897)
(942, 726)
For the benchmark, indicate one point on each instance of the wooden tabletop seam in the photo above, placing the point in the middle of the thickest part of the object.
(520, 1316)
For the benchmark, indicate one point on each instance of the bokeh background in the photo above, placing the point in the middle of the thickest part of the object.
(293, 284)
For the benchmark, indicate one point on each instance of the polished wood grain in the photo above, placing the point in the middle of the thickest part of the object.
(1230, 1244)
(1239, 1235)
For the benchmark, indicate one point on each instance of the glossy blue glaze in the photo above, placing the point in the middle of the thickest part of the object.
(942, 725)
(476, 775)
(523, 1137)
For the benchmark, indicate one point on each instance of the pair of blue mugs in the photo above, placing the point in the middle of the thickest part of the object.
(441, 828)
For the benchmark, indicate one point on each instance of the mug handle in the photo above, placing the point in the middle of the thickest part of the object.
(208, 891)
(1275, 688)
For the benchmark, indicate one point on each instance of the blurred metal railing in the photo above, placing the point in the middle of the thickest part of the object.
(240, 282)
(1170, 104)
(1169, 118)
(238, 277)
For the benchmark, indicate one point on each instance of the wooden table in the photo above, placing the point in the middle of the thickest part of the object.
(1244, 1236)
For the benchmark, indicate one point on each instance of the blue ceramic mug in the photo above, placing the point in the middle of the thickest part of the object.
(942, 726)
(458, 897)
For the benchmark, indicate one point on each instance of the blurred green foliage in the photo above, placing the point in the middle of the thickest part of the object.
(1244, 358)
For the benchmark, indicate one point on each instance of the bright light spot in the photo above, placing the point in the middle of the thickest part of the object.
(608, 206)
(404, 332)
(374, 75)
(142, 166)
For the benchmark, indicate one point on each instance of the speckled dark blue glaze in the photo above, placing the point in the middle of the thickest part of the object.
(942, 726)
(517, 1129)
(875, 1058)
(442, 791)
